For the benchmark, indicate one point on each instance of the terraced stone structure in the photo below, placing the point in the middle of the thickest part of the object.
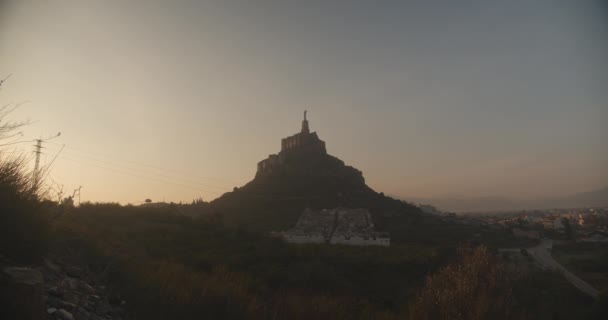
(337, 226)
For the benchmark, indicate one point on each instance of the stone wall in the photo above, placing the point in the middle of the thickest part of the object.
(300, 140)
(298, 145)
(268, 165)
(295, 145)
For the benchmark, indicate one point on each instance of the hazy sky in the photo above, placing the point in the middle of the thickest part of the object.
(179, 99)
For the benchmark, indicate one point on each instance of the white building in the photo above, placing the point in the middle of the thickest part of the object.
(336, 226)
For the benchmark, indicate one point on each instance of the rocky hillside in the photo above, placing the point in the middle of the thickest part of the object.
(306, 179)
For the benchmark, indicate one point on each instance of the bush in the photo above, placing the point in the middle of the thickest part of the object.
(476, 286)
(23, 225)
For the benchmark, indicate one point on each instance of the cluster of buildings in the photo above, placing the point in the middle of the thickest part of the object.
(336, 226)
(589, 224)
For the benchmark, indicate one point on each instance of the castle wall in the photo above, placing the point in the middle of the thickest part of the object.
(267, 165)
(302, 140)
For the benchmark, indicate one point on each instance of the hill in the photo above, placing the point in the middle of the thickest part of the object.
(303, 175)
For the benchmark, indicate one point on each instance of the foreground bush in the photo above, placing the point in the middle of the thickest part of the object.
(474, 287)
(23, 225)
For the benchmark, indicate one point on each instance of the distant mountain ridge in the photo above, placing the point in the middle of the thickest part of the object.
(594, 198)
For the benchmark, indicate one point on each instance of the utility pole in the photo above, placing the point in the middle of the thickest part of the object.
(38, 150)
(36, 173)
(75, 192)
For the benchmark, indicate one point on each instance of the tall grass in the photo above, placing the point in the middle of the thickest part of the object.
(23, 223)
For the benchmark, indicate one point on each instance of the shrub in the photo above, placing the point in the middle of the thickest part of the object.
(476, 286)
(23, 225)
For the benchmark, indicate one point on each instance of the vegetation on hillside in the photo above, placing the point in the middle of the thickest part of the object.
(164, 264)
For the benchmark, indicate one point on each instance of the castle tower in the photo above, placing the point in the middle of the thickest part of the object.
(301, 144)
(305, 128)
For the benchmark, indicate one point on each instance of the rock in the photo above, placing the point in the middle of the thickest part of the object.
(22, 294)
(89, 305)
(70, 283)
(67, 305)
(54, 291)
(86, 288)
(51, 310)
(72, 297)
(25, 276)
(73, 272)
(82, 314)
(52, 302)
(52, 266)
(63, 315)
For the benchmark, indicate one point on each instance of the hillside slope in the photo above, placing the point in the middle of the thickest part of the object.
(303, 176)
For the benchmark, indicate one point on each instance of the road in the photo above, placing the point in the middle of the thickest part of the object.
(543, 257)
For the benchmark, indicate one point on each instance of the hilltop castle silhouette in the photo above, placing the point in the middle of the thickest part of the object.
(304, 176)
(299, 144)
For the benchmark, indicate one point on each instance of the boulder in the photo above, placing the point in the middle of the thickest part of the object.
(63, 315)
(86, 288)
(51, 266)
(22, 294)
(73, 271)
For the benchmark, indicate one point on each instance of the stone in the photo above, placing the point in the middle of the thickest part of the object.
(54, 291)
(73, 271)
(25, 276)
(70, 283)
(72, 297)
(22, 294)
(86, 288)
(51, 310)
(52, 266)
(63, 315)
(67, 305)
(82, 314)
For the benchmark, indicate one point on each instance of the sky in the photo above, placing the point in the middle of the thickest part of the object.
(176, 100)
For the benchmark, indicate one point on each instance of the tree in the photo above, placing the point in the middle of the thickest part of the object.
(474, 287)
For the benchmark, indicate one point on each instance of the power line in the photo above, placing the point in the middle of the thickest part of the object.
(189, 174)
(137, 171)
(195, 188)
